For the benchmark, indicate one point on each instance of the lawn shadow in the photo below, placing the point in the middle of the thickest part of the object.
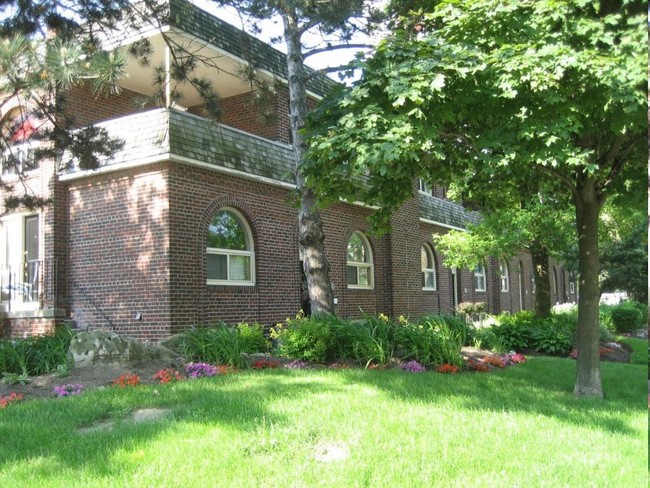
(543, 386)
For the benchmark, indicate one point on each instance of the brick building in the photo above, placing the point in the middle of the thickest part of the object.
(191, 222)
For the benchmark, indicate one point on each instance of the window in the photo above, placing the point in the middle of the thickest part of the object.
(20, 262)
(479, 278)
(505, 279)
(429, 281)
(17, 127)
(359, 262)
(229, 255)
(423, 186)
(572, 287)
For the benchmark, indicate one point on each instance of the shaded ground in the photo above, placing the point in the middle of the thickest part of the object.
(103, 374)
(90, 376)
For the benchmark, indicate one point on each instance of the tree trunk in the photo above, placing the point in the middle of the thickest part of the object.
(588, 381)
(539, 254)
(310, 225)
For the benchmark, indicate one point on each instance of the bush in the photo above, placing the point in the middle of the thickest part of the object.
(35, 355)
(252, 338)
(555, 335)
(219, 344)
(433, 340)
(377, 340)
(626, 318)
(515, 331)
(307, 339)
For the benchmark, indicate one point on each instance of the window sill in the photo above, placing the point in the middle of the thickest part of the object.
(230, 283)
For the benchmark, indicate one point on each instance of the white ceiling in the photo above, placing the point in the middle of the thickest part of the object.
(221, 69)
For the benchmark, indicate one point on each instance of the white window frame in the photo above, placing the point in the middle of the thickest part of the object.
(505, 276)
(480, 276)
(423, 187)
(429, 271)
(362, 265)
(572, 287)
(250, 253)
(25, 153)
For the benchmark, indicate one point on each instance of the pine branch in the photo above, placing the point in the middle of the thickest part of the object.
(331, 47)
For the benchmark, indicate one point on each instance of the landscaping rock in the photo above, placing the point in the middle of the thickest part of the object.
(86, 348)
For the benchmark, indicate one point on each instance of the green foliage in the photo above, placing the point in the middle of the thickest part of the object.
(625, 264)
(555, 335)
(626, 318)
(35, 355)
(221, 344)
(515, 331)
(433, 340)
(252, 338)
(306, 338)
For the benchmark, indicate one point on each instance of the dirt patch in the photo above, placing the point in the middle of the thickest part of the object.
(91, 376)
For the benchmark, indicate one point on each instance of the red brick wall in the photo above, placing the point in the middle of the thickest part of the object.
(240, 112)
(88, 108)
(119, 252)
(17, 328)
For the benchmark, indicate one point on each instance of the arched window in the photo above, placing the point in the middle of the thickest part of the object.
(429, 278)
(505, 278)
(359, 262)
(17, 153)
(479, 278)
(230, 256)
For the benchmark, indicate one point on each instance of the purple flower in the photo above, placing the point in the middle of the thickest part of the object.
(200, 370)
(413, 367)
(66, 390)
(297, 364)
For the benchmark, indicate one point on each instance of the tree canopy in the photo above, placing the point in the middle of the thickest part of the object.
(544, 90)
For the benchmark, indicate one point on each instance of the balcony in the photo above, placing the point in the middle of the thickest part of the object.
(174, 135)
(29, 286)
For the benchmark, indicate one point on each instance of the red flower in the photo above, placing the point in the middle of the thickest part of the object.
(126, 379)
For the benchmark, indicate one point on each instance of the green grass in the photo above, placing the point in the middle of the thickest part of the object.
(518, 427)
(639, 349)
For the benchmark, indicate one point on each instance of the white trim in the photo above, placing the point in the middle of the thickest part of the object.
(502, 265)
(440, 224)
(477, 274)
(250, 253)
(368, 264)
(432, 271)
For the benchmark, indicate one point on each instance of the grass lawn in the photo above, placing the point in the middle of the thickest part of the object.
(519, 427)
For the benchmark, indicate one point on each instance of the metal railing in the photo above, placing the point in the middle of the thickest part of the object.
(32, 283)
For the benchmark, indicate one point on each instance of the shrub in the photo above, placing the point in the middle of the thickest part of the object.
(220, 344)
(376, 340)
(35, 355)
(252, 338)
(515, 331)
(553, 338)
(626, 318)
(433, 340)
(307, 339)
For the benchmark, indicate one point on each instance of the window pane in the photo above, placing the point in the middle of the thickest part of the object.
(426, 261)
(352, 275)
(226, 232)
(217, 266)
(429, 282)
(240, 268)
(364, 276)
(356, 249)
